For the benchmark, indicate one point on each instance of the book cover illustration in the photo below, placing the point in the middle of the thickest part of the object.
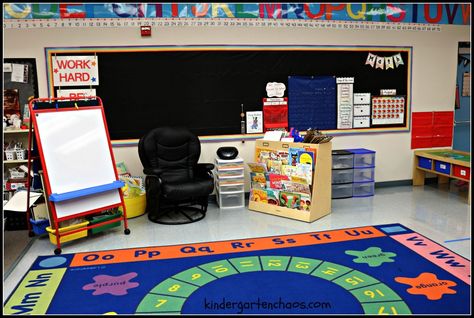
(257, 167)
(275, 180)
(273, 196)
(274, 166)
(288, 170)
(283, 157)
(305, 202)
(262, 154)
(258, 185)
(314, 151)
(290, 186)
(289, 200)
(306, 157)
(259, 195)
(293, 155)
(305, 171)
(258, 177)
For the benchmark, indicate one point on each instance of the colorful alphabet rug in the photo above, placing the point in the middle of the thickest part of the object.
(384, 269)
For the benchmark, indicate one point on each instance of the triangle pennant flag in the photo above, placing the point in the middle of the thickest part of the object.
(398, 59)
(389, 62)
(370, 59)
(379, 63)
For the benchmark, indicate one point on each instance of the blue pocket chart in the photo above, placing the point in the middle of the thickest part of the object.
(312, 102)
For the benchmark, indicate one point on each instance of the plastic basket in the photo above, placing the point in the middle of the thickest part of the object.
(39, 226)
(52, 232)
(102, 218)
(135, 206)
(17, 174)
(21, 154)
(10, 154)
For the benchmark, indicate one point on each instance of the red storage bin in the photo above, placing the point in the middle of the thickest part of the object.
(421, 142)
(442, 131)
(442, 141)
(443, 118)
(461, 172)
(422, 119)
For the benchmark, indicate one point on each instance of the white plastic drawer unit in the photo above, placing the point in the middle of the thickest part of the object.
(226, 188)
(231, 199)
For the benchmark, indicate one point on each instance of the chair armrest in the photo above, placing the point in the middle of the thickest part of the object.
(153, 171)
(205, 166)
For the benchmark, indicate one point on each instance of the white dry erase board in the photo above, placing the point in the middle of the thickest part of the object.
(77, 156)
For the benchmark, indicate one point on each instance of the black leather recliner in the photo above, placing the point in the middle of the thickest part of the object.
(175, 182)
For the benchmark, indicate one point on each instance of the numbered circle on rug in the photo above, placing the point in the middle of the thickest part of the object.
(272, 284)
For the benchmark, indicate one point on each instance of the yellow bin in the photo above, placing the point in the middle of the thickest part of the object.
(52, 232)
(135, 206)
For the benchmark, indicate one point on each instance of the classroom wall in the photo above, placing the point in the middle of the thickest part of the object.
(433, 76)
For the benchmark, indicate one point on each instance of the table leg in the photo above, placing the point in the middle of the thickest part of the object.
(418, 175)
(442, 179)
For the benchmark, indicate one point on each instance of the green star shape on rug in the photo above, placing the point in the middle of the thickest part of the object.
(373, 256)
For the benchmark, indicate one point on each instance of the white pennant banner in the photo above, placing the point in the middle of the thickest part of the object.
(379, 63)
(388, 62)
(370, 59)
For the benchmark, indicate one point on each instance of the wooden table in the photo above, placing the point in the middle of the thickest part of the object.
(458, 163)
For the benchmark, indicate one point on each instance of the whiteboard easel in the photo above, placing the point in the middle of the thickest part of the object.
(78, 162)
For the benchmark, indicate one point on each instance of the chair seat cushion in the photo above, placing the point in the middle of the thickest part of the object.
(185, 190)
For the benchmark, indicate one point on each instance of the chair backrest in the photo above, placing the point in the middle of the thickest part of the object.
(174, 150)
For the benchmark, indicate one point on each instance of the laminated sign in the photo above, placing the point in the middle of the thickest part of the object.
(75, 70)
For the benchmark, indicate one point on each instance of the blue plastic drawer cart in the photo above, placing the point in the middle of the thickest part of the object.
(342, 159)
(363, 189)
(425, 163)
(363, 158)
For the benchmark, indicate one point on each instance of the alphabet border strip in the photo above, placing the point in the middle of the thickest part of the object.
(209, 22)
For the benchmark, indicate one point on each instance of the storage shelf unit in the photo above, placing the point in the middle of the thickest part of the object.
(342, 174)
(321, 182)
(445, 163)
(229, 183)
(353, 173)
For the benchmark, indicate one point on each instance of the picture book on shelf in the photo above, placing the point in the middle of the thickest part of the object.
(275, 180)
(306, 157)
(293, 155)
(273, 197)
(258, 185)
(274, 166)
(257, 167)
(258, 195)
(288, 170)
(291, 186)
(305, 202)
(289, 199)
(305, 171)
(258, 177)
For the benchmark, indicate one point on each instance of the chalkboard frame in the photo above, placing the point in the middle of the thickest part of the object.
(51, 51)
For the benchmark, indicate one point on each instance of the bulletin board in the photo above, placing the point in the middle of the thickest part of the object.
(203, 87)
